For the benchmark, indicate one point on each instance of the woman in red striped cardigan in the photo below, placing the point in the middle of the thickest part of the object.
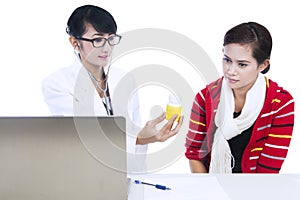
(242, 122)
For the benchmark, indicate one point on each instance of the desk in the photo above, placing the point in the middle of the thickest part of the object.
(217, 187)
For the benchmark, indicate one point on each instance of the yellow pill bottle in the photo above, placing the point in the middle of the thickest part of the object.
(173, 107)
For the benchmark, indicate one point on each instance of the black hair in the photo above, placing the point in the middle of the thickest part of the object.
(254, 34)
(101, 20)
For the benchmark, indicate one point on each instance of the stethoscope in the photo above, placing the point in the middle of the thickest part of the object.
(106, 98)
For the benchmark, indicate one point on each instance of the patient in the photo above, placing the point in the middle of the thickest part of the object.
(242, 122)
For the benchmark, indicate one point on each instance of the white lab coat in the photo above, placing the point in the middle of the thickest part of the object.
(70, 92)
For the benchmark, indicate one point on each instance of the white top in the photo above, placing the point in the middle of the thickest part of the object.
(70, 92)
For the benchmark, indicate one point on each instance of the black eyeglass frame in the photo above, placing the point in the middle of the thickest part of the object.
(106, 40)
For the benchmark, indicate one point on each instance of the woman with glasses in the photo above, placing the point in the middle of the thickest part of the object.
(242, 122)
(88, 85)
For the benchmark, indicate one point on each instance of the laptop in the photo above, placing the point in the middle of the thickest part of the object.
(63, 158)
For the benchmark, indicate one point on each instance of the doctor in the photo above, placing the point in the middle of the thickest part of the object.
(87, 86)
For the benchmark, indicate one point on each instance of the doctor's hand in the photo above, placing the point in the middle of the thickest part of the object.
(149, 134)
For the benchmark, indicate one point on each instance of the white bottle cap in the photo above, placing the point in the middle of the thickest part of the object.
(173, 101)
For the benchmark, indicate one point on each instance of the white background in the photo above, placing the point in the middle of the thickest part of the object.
(34, 43)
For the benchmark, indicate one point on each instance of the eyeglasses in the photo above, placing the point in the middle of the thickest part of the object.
(100, 42)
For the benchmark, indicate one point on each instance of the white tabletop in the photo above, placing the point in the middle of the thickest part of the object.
(216, 187)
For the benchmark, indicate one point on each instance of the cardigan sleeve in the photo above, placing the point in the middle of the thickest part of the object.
(278, 138)
(195, 149)
(201, 126)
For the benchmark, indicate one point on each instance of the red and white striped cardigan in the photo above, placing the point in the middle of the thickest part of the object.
(271, 135)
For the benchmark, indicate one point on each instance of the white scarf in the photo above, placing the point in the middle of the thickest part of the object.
(229, 127)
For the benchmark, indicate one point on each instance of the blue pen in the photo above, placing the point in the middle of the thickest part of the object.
(161, 187)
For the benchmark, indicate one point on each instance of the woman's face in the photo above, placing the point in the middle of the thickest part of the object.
(240, 68)
(97, 57)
